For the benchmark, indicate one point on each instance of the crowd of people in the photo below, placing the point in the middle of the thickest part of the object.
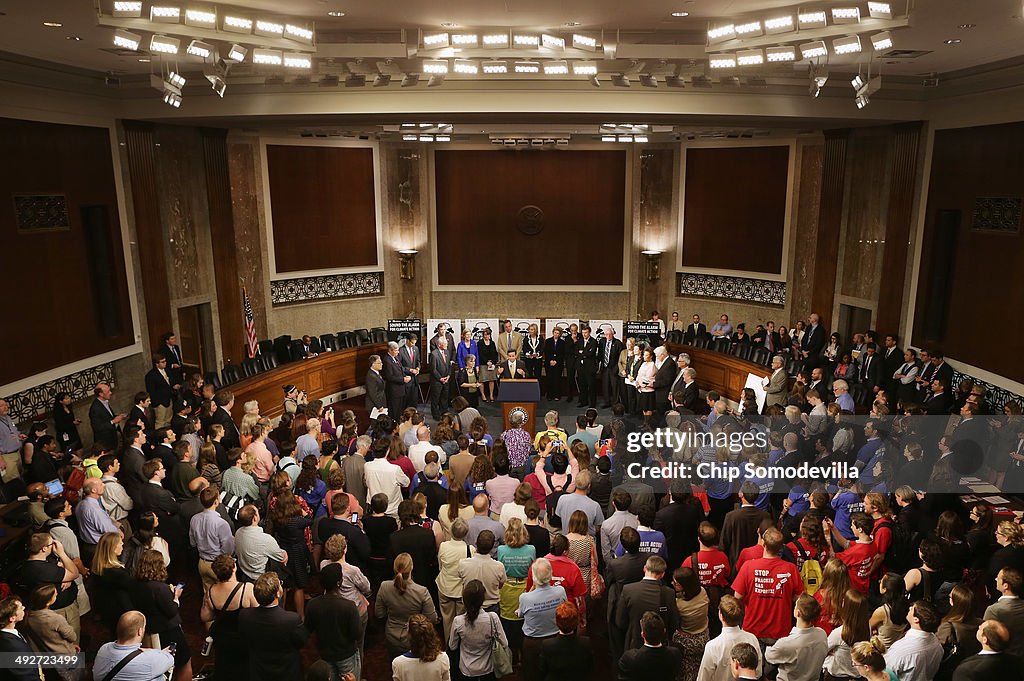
(457, 552)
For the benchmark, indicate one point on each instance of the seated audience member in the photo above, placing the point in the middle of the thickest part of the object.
(655, 659)
(145, 663)
(275, 636)
(917, 656)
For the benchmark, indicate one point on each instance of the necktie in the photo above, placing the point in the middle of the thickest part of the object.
(771, 348)
(509, 340)
(607, 352)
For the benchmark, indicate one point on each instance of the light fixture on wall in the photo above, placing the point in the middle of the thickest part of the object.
(653, 258)
(407, 263)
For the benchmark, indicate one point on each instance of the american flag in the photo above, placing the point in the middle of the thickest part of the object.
(250, 325)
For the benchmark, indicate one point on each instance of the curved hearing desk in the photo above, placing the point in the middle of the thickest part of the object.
(725, 374)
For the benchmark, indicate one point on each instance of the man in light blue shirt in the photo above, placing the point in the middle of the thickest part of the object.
(93, 519)
(148, 665)
(308, 445)
(842, 391)
(579, 501)
(584, 436)
(722, 328)
(537, 607)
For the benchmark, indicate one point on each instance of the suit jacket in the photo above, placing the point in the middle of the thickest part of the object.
(407, 362)
(586, 355)
(10, 643)
(617, 348)
(232, 436)
(651, 664)
(158, 500)
(663, 379)
(432, 345)
(130, 474)
(638, 598)
(679, 523)
(102, 429)
(504, 347)
(375, 391)
(172, 353)
(556, 353)
(945, 374)
(688, 397)
(439, 368)
(740, 529)
(394, 378)
(520, 366)
(778, 386)
(870, 372)
(158, 388)
(136, 413)
(275, 639)
(695, 331)
(1011, 613)
(938, 405)
(564, 657)
(891, 362)
(814, 340)
(988, 667)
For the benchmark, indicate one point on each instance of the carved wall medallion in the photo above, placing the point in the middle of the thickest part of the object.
(530, 220)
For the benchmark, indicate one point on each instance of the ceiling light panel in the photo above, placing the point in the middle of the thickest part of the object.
(301, 34)
(814, 50)
(127, 9)
(780, 24)
(558, 67)
(164, 44)
(813, 19)
(722, 61)
(495, 39)
(435, 66)
(201, 18)
(236, 24)
(127, 39)
(847, 45)
(527, 67)
(237, 53)
(750, 58)
(720, 34)
(584, 42)
(465, 40)
(584, 68)
(845, 15)
(167, 14)
(881, 41)
(267, 57)
(297, 60)
(525, 40)
(552, 42)
(466, 66)
(781, 54)
(197, 48)
(433, 40)
(880, 10)
(268, 28)
(495, 66)
(749, 29)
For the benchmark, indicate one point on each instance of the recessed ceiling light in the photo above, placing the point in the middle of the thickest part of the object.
(680, 14)
(967, 26)
(143, 60)
(335, 13)
(449, 24)
(570, 24)
(76, 38)
(953, 41)
(52, 24)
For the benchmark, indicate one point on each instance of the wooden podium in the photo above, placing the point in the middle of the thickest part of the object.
(519, 395)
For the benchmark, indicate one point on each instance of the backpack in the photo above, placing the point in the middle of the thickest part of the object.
(902, 552)
(232, 504)
(551, 500)
(810, 570)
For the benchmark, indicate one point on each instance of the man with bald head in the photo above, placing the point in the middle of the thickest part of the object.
(776, 385)
(440, 362)
(994, 661)
(38, 495)
(813, 342)
(482, 520)
(102, 417)
(418, 452)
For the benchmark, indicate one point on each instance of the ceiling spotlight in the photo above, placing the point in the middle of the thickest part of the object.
(648, 80)
(881, 41)
(953, 41)
(780, 24)
(335, 13)
(176, 79)
(172, 99)
(355, 80)
(722, 61)
(495, 40)
(164, 44)
(847, 45)
(750, 57)
(781, 54)
(595, 81)
(434, 40)
(236, 24)
(814, 89)
(127, 39)
(558, 67)
(301, 34)
(217, 84)
(815, 19)
(197, 48)
(203, 18)
(858, 82)
(297, 60)
(675, 81)
(436, 80)
(552, 42)
(701, 81)
(435, 66)
(527, 67)
(609, 138)
(680, 15)
(52, 24)
(845, 15)
(410, 80)
(749, 29)
(584, 42)
(966, 27)
(880, 10)
(267, 57)
(466, 66)
(819, 75)
(720, 34)
(495, 66)
(584, 68)
(165, 14)
(127, 9)
(814, 50)
(236, 53)
(620, 80)
(465, 40)
(862, 101)
(525, 40)
(269, 29)
(870, 87)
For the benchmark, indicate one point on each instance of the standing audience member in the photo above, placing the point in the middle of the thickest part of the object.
(569, 654)
(537, 607)
(994, 661)
(160, 603)
(654, 659)
(275, 636)
(399, 599)
(716, 664)
(143, 664)
(917, 656)
(799, 656)
(222, 604)
(647, 595)
(692, 635)
(474, 633)
(334, 620)
(426, 659)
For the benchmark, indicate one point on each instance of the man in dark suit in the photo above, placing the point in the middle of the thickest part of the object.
(870, 373)
(396, 381)
(655, 659)
(409, 358)
(1009, 609)
(440, 332)
(993, 662)
(739, 530)
(608, 351)
(813, 342)
(892, 360)
(172, 352)
(102, 417)
(12, 642)
(687, 394)
(554, 362)
(132, 460)
(440, 363)
(513, 367)
(663, 379)
(140, 411)
(942, 370)
(160, 390)
(924, 377)
(376, 397)
(153, 497)
(568, 655)
(647, 595)
(620, 572)
(275, 636)
(679, 521)
(696, 330)
(225, 401)
(586, 359)
(938, 400)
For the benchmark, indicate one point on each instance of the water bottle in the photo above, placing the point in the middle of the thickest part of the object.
(207, 647)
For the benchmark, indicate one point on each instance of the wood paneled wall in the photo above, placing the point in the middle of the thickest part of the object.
(52, 300)
(481, 202)
(222, 240)
(322, 202)
(735, 195)
(986, 296)
(830, 222)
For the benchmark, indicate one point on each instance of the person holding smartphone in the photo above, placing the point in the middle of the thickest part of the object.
(159, 602)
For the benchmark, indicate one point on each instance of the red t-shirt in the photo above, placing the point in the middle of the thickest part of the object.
(768, 587)
(882, 539)
(750, 553)
(825, 619)
(858, 559)
(809, 551)
(712, 567)
(564, 573)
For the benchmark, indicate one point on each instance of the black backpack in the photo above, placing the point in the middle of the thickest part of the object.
(902, 552)
(551, 501)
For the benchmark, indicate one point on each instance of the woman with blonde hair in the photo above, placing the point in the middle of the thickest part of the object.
(427, 660)
(449, 583)
(1010, 538)
(245, 428)
(111, 581)
(835, 582)
(869, 660)
(400, 599)
(458, 506)
(516, 554)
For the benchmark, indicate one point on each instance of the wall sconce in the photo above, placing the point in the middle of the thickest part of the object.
(407, 263)
(653, 264)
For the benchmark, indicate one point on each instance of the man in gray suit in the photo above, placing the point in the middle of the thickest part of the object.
(649, 594)
(440, 363)
(376, 396)
(1009, 609)
(409, 357)
(776, 385)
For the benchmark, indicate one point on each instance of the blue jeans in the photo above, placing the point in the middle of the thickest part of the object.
(342, 667)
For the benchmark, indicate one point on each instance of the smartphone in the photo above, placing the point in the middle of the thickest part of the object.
(355, 517)
(179, 585)
(172, 648)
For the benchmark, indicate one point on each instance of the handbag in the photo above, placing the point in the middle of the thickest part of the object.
(596, 580)
(501, 656)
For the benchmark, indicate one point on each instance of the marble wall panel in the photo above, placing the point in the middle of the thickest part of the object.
(867, 204)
